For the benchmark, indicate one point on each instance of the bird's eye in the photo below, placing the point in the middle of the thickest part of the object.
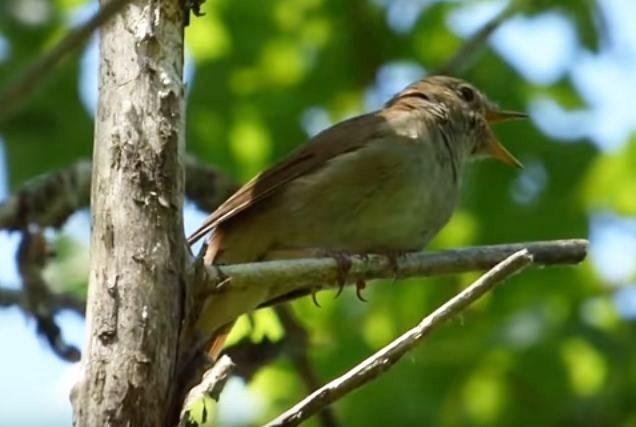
(467, 93)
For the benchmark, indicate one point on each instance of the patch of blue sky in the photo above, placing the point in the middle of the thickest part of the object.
(314, 120)
(540, 48)
(8, 241)
(402, 15)
(625, 301)
(613, 248)
(5, 48)
(31, 375)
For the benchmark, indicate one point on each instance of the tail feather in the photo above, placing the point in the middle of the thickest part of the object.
(198, 234)
(212, 252)
(218, 341)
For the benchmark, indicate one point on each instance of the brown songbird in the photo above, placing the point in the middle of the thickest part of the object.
(383, 182)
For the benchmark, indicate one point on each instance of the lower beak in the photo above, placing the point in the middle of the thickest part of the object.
(495, 149)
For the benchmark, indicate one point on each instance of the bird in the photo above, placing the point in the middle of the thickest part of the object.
(385, 182)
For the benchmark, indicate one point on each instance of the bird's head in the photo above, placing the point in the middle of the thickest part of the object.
(464, 109)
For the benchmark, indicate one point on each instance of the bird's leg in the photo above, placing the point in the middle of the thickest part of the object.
(392, 256)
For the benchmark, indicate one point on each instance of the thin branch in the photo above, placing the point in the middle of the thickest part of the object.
(10, 297)
(48, 200)
(463, 56)
(57, 302)
(287, 279)
(385, 358)
(210, 386)
(25, 82)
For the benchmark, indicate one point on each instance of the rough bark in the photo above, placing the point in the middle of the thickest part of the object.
(137, 270)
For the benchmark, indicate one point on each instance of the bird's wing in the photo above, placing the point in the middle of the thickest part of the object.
(347, 136)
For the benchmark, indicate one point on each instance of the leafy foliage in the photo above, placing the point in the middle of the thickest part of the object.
(548, 348)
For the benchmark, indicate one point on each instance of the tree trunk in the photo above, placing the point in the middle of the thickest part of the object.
(138, 258)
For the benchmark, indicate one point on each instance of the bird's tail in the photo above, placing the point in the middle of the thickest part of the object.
(217, 342)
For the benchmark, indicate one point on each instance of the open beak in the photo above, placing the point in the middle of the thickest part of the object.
(493, 147)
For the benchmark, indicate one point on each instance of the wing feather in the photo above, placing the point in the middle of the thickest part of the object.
(346, 136)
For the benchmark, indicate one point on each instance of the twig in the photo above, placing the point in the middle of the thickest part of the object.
(210, 386)
(295, 278)
(48, 200)
(389, 355)
(56, 302)
(461, 58)
(29, 78)
(10, 297)
(32, 255)
(296, 339)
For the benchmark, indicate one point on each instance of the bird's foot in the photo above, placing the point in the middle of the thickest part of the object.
(343, 265)
(393, 256)
(360, 285)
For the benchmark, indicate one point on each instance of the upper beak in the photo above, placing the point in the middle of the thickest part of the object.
(495, 116)
(493, 146)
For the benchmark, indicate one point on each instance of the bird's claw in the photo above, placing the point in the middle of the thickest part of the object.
(314, 299)
(343, 265)
(360, 285)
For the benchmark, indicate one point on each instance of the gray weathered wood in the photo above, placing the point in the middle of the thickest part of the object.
(138, 258)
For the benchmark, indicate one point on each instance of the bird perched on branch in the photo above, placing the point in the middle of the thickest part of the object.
(383, 182)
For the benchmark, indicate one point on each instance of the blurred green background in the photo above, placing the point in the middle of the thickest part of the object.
(552, 347)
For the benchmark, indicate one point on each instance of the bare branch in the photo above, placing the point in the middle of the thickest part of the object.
(287, 279)
(210, 386)
(385, 358)
(56, 302)
(463, 56)
(25, 82)
(48, 200)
